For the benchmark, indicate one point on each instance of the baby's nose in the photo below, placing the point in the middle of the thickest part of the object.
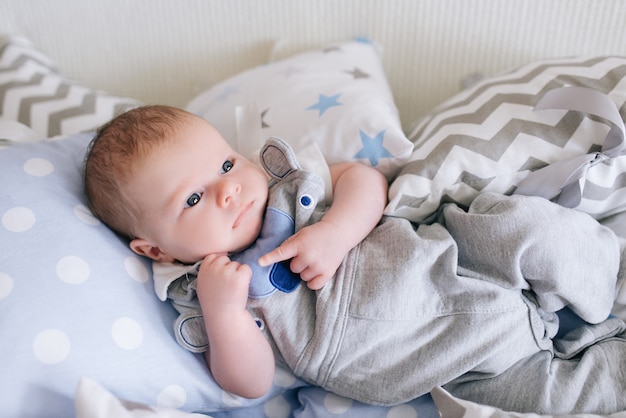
(227, 191)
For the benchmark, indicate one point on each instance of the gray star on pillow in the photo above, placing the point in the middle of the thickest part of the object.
(357, 73)
(263, 113)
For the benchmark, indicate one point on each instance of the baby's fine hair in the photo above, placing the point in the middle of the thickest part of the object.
(113, 154)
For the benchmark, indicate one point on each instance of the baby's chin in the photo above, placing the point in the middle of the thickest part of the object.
(186, 263)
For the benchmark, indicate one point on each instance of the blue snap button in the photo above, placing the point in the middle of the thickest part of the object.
(306, 200)
(260, 323)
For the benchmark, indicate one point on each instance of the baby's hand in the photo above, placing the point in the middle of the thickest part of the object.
(314, 252)
(223, 283)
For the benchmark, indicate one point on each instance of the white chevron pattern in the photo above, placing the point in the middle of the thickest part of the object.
(34, 93)
(488, 138)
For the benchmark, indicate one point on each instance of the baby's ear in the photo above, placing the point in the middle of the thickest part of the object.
(147, 249)
(278, 158)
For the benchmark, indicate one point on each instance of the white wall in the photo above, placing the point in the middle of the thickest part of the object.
(168, 50)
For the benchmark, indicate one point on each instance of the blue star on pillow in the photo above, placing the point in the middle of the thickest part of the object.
(373, 148)
(325, 102)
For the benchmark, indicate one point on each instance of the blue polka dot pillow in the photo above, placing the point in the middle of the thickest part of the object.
(76, 302)
(337, 98)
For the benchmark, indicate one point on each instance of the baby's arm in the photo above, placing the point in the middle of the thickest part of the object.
(359, 198)
(240, 358)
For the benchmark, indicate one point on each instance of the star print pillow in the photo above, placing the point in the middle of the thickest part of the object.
(336, 99)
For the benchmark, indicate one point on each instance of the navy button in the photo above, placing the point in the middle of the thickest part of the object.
(306, 200)
(260, 323)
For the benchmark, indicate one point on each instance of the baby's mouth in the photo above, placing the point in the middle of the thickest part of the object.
(242, 214)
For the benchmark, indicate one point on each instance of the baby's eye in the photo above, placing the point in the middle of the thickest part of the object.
(193, 200)
(227, 166)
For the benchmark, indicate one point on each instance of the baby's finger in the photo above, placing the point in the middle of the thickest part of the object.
(209, 258)
(244, 269)
(317, 282)
(283, 252)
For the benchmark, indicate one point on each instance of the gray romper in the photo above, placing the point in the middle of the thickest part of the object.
(467, 303)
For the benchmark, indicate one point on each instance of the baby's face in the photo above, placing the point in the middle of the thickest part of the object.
(197, 196)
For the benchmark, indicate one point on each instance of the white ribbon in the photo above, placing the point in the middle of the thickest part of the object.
(561, 181)
(249, 132)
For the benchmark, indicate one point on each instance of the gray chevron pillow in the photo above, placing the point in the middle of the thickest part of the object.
(33, 92)
(488, 138)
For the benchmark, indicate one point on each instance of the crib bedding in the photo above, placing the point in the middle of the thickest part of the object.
(490, 136)
(77, 303)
